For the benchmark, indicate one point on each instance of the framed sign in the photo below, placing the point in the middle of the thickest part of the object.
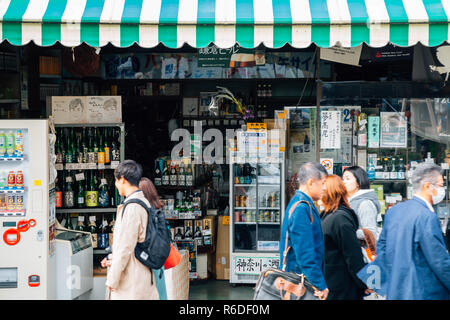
(393, 130)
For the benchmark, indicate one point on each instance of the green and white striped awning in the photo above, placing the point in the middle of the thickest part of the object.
(225, 22)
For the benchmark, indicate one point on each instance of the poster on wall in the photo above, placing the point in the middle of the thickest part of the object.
(302, 129)
(330, 129)
(104, 109)
(393, 130)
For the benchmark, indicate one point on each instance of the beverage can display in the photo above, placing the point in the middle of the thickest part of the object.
(10, 143)
(11, 202)
(19, 179)
(2, 144)
(19, 143)
(19, 201)
(3, 203)
(11, 179)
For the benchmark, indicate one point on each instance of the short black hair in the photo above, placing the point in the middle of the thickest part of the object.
(130, 170)
(360, 175)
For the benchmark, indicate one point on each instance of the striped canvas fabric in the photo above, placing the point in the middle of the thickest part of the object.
(225, 22)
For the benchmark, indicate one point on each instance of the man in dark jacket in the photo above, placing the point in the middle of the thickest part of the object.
(343, 256)
(305, 236)
(412, 261)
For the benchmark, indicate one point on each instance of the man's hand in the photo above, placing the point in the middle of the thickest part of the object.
(105, 263)
(368, 291)
(323, 295)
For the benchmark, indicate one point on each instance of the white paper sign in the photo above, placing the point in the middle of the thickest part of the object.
(330, 130)
(104, 109)
(254, 265)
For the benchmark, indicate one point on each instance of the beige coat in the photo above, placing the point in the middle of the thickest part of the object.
(129, 278)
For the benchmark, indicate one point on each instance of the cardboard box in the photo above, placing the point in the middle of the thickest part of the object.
(202, 266)
(85, 109)
(223, 249)
(280, 132)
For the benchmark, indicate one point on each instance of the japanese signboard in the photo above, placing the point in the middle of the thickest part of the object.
(374, 132)
(330, 130)
(254, 265)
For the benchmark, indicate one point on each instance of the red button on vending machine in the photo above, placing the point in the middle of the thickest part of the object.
(11, 237)
(34, 281)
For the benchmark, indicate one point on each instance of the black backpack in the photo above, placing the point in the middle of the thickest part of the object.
(155, 249)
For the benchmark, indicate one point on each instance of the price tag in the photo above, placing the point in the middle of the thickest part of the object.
(81, 218)
(233, 122)
(444, 166)
(210, 122)
(70, 166)
(217, 122)
(79, 176)
(69, 179)
(59, 166)
(103, 181)
(114, 164)
(92, 166)
(101, 166)
(92, 218)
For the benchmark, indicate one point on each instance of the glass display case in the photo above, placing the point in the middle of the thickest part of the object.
(257, 209)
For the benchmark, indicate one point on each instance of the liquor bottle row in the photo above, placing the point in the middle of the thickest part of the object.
(253, 216)
(85, 189)
(11, 144)
(87, 145)
(386, 169)
(102, 235)
(11, 180)
(201, 234)
(173, 173)
(184, 206)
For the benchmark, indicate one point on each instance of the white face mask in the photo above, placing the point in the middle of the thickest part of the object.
(440, 195)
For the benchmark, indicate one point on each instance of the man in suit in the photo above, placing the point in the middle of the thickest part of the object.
(305, 239)
(412, 261)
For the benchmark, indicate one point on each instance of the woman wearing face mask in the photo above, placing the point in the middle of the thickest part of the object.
(362, 199)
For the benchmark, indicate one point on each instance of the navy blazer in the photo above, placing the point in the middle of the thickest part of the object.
(412, 261)
(306, 241)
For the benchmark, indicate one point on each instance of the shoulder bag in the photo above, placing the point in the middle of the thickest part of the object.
(276, 284)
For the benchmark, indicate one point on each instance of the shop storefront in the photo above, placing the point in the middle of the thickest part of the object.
(176, 84)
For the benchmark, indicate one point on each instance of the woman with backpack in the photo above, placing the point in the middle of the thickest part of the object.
(343, 256)
(150, 193)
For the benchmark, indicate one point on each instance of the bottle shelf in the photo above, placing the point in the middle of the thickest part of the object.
(270, 223)
(244, 185)
(254, 223)
(388, 180)
(176, 187)
(85, 166)
(245, 208)
(13, 213)
(86, 210)
(12, 190)
(269, 208)
(12, 158)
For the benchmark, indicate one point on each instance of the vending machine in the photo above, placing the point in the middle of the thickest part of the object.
(27, 211)
(257, 210)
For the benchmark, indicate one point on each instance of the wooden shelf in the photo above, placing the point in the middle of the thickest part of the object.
(87, 210)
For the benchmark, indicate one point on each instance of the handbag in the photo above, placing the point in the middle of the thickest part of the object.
(276, 284)
(173, 259)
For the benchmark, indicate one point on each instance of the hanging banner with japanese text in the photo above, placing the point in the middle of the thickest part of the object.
(330, 129)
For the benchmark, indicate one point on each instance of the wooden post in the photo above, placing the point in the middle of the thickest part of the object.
(318, 98)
